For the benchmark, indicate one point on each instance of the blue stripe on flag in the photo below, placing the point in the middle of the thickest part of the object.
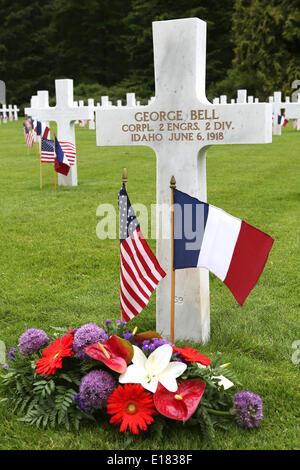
(190, 217)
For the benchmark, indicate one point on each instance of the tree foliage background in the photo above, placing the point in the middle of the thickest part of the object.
(105, 46)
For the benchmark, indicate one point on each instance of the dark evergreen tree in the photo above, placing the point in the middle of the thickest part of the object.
(266, 35)
(89, 43)
(25, 53)
(139, 37)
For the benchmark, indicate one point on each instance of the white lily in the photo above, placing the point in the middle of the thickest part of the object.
(156, 368)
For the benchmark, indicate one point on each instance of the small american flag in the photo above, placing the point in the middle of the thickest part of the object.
(69, 151)
(47, 151)
(140, 271)
(28, 136)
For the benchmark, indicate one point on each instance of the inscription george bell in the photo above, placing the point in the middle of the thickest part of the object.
(156, 126)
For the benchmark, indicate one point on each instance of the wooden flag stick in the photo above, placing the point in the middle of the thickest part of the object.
(172, 312)
(37, 146)
(54, 163)
(41, 174)
(124, 181)
(124, 177)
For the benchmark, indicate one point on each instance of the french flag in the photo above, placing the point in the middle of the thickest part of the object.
(61, 163)
(282, 121)
(38, 128)
(206, 236)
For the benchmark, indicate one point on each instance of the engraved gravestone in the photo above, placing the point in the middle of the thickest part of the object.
(180, 124)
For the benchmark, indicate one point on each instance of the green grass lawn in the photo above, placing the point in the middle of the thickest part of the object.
(54, 271)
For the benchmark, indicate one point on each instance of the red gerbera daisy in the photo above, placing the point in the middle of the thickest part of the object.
(53, 354)
(192, 355)
(131, 406)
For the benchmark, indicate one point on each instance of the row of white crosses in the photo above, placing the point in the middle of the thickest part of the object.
(180, 61)
(292, 109)
(106, 103)
(11, 112)
(241, 98)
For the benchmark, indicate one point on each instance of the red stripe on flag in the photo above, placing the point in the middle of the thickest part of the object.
(128, 304)
(124, 314)
(129, 288)
(141, 276)
(144, 264)
(248, 261)
(149, 253)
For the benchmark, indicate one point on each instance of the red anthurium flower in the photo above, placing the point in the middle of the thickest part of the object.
(116, 353)
(181, 404)
(51, 359)
(192, 355)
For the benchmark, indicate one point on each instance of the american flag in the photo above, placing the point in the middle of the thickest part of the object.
(69, 151)
(47, 151)
(28, 136)
(140, 271)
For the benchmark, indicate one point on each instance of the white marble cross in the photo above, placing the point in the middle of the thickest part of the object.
(43, 103)
(292, 111)
(91, 104)
(105, 103)
(10, 112)
(130, 99)
(4, 111)
(241, 96)
(31, 112)
(180, 124)
(277, 105)
(65, 113)
(15, 111)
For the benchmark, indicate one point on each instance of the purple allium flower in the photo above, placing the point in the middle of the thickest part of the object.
(5, 366)
(32, 341)
(11, 353)
(89, 333)
(108, 322)
(80, 402)
(95, 388)
(152, 344)
(248, 408)
(127, 336)
(118, 322)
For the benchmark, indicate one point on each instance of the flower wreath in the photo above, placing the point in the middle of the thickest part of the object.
(134, 379)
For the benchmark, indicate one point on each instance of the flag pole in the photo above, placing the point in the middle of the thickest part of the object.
(125, 178)
(37, 146)
(41, 174)
(172, 312)
(124, 181)
(54, 163)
